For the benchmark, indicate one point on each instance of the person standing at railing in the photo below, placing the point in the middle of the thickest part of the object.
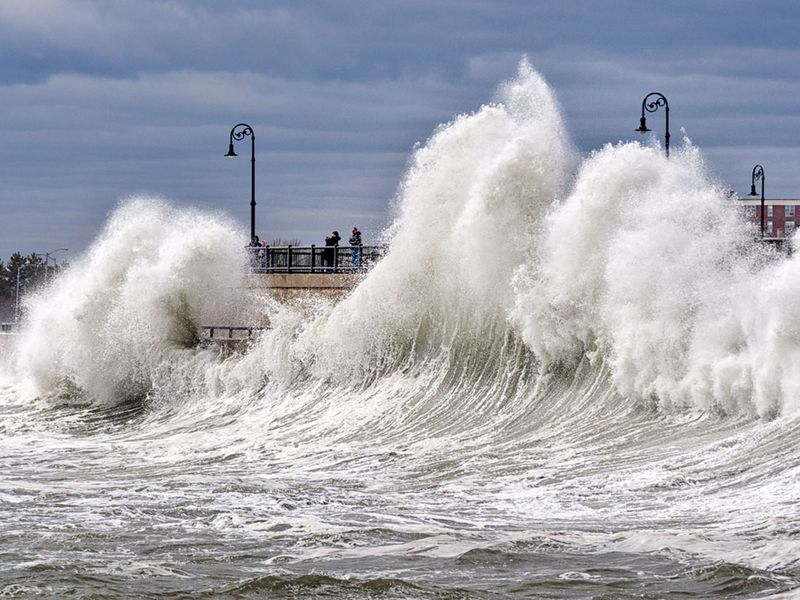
(328, 254)
(355, 245)
(253, 249)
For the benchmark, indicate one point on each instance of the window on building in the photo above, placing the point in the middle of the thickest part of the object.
(751, 211)
(790, 210)
(789, 228)
(769, 226)
(769, 210)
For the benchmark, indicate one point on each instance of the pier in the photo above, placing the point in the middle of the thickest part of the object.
(291, 274)
(286, 288)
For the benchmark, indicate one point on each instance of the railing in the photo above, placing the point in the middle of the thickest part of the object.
(9, 327)
(214, 329)
(783, 245)
(314, 259)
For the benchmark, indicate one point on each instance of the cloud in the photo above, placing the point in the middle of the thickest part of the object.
(102, 99)
(84, 142)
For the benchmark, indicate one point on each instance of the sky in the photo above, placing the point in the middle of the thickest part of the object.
(103, 100)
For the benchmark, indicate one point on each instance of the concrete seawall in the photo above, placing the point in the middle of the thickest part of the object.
(288, 287)
(284, 287)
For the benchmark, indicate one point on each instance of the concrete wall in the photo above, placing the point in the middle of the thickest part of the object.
(287, 287)
(284, 287)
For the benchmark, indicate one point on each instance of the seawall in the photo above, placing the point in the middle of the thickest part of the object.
(289, 287)
(286, 288)
(283, 287)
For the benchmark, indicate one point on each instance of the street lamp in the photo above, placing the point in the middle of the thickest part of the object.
(758, 173)
(652, 106)
(238, 133)
(47, 256)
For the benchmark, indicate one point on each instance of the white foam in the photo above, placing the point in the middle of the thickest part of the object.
(117, 314)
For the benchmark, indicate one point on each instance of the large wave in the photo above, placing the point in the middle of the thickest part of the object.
(651, 267)
(121, 318)
(508, 257)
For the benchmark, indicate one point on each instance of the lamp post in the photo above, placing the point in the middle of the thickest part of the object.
(47, 256)
(652, 106)
(758, 173)
(238, 133)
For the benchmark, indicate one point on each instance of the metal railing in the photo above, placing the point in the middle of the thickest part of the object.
(314, 259)
(12, 327)
(211, 332)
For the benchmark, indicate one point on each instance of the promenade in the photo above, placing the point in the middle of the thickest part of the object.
(314, 259)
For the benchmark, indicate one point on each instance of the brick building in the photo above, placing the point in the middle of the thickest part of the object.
(781, 219)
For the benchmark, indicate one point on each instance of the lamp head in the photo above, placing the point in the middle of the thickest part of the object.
(753, 190)
(231, 153)
(642, 125)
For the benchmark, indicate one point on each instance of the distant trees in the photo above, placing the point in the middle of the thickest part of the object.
(280, 242)
(32, 273)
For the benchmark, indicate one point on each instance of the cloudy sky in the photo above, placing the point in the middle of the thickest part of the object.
(106, 99)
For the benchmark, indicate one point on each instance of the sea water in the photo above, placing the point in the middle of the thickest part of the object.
(569, 377)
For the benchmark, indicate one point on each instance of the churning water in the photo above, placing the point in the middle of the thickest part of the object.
(558, 383)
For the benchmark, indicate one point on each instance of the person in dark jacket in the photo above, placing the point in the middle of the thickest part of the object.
(328, 254)
(355, 246)
(253, 251)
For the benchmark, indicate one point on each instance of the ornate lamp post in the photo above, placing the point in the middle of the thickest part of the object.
(238, 133)
(758, 173)
(652, 106)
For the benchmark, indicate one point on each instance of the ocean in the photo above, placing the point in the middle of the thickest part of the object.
(569, 377)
